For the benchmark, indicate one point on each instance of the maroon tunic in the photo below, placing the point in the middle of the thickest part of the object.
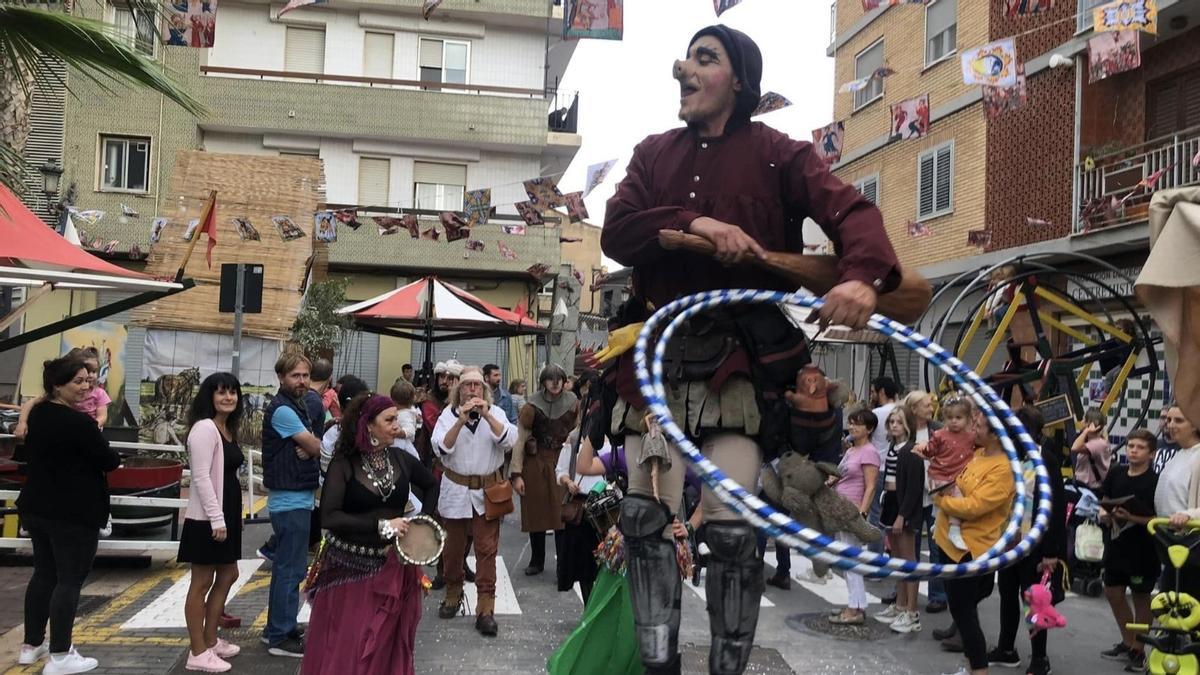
(754, 177)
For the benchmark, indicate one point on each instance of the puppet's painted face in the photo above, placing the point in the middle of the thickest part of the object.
(707, 86)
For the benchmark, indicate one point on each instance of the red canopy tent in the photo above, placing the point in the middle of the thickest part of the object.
(430, 310)
(32, 254)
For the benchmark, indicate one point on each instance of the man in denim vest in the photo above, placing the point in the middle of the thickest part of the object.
(292, 473)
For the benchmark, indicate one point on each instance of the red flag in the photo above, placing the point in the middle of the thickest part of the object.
(208, 225)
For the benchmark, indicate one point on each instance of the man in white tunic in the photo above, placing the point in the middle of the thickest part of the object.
(471, 436)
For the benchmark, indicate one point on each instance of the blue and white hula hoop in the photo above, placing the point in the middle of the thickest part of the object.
(810, 542)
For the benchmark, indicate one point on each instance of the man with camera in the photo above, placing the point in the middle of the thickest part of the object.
(471, 438)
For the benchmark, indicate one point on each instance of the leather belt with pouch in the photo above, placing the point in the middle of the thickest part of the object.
(699, 349)
(497, 491)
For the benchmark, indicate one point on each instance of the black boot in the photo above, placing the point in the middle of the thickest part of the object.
(734, 589)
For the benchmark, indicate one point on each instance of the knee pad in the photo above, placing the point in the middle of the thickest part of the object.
(654, 583)
(735, 586)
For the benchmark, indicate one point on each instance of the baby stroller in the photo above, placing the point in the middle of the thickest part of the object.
(1083, 508)
(1174, 645)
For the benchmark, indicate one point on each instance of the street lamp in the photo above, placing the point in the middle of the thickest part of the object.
(51, 177)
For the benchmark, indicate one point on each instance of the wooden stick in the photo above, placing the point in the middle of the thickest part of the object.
(819, 274)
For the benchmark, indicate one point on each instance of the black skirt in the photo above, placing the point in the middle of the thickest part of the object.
(889, 509)
(196, 544)
(576, 555)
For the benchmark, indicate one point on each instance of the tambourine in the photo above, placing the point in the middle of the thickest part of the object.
(423, 543)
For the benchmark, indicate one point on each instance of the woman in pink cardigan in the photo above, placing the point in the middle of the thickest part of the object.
(211, 539)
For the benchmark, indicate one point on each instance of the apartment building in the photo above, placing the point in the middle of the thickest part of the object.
(1028, 176)
(405, 113)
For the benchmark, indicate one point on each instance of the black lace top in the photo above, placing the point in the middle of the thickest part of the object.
(351, 506)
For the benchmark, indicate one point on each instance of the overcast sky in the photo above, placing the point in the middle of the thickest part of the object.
(627, 93)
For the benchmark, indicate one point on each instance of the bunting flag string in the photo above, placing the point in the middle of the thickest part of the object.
(1113, 53)
(156, 229)
(245, 230)
(979, 238)
(917, 229)
(477, 205)
(827, 141)
(1122, 15)
(596, 173)
(722, 6)
(325, 226)
(288, 230)
(770, 102)
(428, 6)
(456, 228)
(1014, 8)
(910, 119)
(576, 209)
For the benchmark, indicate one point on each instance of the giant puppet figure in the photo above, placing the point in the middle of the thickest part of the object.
(745, 188)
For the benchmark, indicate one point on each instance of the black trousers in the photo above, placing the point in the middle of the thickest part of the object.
(963, 597)
(1011, 581)
(62, 558)
(537, 548)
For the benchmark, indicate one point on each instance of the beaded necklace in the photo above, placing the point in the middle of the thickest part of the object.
(376, 463)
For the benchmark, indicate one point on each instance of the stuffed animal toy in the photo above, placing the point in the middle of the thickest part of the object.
(798, 485)
(812, 411)
(1042, 615)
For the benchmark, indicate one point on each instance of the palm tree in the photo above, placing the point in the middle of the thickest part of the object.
(34, 37)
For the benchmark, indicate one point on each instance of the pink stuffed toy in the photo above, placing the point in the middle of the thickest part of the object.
(1042, 614)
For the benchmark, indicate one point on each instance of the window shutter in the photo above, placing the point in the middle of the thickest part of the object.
(373, 176)
(377, 54)
(441, 174)
(305, 50)
(925, 170)
(870, 189)
(431, 53)
(945, 171)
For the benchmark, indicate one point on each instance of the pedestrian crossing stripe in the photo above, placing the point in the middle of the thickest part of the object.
(506, 597)
(166, 611)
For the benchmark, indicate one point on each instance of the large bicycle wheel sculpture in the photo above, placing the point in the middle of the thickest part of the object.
(1053, 343)
(1011, 546)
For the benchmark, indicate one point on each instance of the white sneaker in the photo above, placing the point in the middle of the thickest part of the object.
(962, 670)
(106, 531)
(31, 654)
(71, 662)
(907, 622)
(889, 615)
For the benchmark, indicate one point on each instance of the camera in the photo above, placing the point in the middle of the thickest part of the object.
(473, 415)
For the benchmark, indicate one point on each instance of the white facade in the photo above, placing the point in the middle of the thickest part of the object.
(499, 56)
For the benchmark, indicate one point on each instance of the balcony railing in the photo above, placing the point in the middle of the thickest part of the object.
(564, 116)
(326, 78)
(1110, 188)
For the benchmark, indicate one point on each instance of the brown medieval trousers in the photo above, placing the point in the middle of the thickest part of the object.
(544, 423)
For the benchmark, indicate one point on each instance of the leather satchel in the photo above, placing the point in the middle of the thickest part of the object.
(698, 350)
(497, 500)
(572, 510)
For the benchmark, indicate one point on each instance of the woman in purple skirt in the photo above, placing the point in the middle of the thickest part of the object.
(366, 602)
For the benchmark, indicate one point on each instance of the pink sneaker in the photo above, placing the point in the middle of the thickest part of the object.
(225, 650)
(206, 661)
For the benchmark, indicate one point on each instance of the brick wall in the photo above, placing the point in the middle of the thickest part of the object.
(1030, 151)
(1030, 160)
(1114, 109)
(1057, 28)
(896, 164)
(903, 30)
